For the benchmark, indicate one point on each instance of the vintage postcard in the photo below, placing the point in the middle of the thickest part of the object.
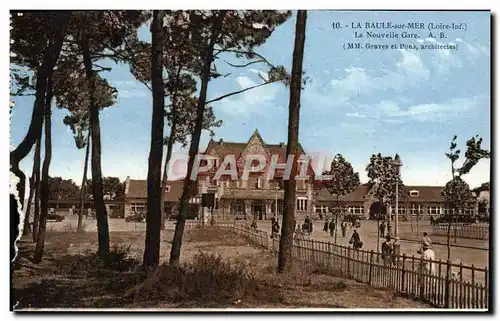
(332, 160)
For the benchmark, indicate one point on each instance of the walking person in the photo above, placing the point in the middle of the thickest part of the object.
(382, 229)
(356, 240)
(331, 227)
(387, 251)
(325, 227)
(343, 227)
(275, 229)
(425, 239)
(428, 256)
(254, 223)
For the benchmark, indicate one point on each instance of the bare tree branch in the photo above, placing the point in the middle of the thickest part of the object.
(245, 65)
(241, 91)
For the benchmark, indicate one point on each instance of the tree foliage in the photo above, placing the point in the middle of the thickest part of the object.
(62, 189)
(458, 196)
(343, 182)
(384, 174)
(457, 193)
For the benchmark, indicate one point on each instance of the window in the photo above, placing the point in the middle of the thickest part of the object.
(447, 211)
(167, 189)
(194, 200)
(279, 209)
(434, 210)
(414, 193)
(259, 183)
(238, 208)
(469, 211)
(138, 207)
(356, 210)
(216, 164)
(301, 204)
(401, 210)
(415, 209)
(321, 209)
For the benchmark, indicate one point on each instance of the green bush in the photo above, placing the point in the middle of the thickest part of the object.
(206, 277)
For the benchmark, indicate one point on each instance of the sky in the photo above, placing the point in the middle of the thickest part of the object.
(355, 102)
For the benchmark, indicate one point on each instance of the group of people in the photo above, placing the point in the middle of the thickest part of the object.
(389, 254)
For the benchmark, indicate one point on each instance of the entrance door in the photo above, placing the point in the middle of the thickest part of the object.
(258, 209)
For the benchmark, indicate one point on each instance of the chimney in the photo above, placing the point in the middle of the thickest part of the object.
(221, 141)
(282, 144)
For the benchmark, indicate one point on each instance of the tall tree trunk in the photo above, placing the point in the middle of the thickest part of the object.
(97, 193)
(27, 210)
(154, 206)
(36, 168)
(43, 73)
(84, 183)
(36, 203)
(286, 241)
(175, 252)
(170, 144)
(164, 182)
(44, 186)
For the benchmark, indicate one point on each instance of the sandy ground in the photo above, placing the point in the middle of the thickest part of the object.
(43, 286)
(368, 233)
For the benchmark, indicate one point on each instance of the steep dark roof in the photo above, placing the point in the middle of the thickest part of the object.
(223, 148)
(427, 194)
(356, 196)
(138, 189)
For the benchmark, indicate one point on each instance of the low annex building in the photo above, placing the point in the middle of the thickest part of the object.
(418, 200)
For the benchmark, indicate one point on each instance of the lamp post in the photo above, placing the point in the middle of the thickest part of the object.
(397, 165)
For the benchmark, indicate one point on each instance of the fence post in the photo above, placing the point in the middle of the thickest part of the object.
(486, 287)
(448, 283)
(371, 268)
(474, 305)
(403, 274)
(421, 279)
(348, 260)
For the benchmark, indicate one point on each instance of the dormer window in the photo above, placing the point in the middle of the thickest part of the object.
(414, 193)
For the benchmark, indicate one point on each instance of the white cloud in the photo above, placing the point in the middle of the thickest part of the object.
(444, 59)
(409, 72)
(429, 112)
(475, 51)
(438, 173)
(130, 88)
(254, 101)
(356, 114)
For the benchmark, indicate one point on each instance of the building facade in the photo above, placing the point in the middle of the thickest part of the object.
(136, 198)
(418, 201)
(256, 196)
(260, 197)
